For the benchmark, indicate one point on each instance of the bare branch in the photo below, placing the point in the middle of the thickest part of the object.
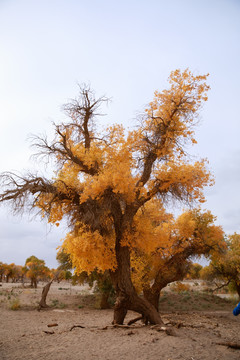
(83, 110)
(218, 287)
(61, 148)
(76, 132)
(18, 189)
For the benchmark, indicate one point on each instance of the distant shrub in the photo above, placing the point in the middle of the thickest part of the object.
(180, 287)
(57, 304)
(15, 304)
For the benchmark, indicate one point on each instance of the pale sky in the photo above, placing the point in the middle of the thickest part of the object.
(126, 50)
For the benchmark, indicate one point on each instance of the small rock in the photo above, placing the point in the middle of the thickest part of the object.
(131, 333)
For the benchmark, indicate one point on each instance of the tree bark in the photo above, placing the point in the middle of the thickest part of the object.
(173, 270)
(152, 296)
(42, 303)
(127, 298)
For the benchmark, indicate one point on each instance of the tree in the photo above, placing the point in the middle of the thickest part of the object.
(194, 271)
(226, 265)
(12, 271)
(35, 269)
(104, 178)
(2, 270)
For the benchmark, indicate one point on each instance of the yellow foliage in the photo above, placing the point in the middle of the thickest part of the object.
(89, 250)
(193, 233)
(226, 264)
(180, 287)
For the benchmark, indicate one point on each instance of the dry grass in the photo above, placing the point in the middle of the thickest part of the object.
(188, 301)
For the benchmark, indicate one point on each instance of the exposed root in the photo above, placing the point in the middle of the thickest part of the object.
(229, 344)
(75, 326)
(135, 320)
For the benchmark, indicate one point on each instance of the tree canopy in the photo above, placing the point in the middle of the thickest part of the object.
(113, 185)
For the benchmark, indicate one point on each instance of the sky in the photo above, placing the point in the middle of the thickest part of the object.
(126, 50)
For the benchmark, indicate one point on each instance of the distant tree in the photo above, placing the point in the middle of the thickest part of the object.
(60, 274)
(8, 271)
(208, 273)
(2, 270)
(104, 178)
(226, 265)
(36, 269)
(64, 260)
(12, 271)
(17, 273)
(194, 271)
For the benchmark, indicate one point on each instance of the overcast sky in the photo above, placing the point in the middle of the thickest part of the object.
(126, 49)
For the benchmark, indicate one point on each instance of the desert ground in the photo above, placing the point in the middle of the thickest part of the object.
(74, 328)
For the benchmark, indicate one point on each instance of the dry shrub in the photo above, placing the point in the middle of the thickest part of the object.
(15, 304)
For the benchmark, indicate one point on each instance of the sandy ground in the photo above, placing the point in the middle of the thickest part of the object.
(25, 334)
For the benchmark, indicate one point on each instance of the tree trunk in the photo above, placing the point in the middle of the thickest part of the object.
(127, 298)
(152, 296)
(34, 283)
(42, 303)
(164, 276)
(237, 288)
(104, 300)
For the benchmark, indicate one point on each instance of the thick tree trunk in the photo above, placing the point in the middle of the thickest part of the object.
(42, 303)
(164, 277)
(152, 296)
(127, 298)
